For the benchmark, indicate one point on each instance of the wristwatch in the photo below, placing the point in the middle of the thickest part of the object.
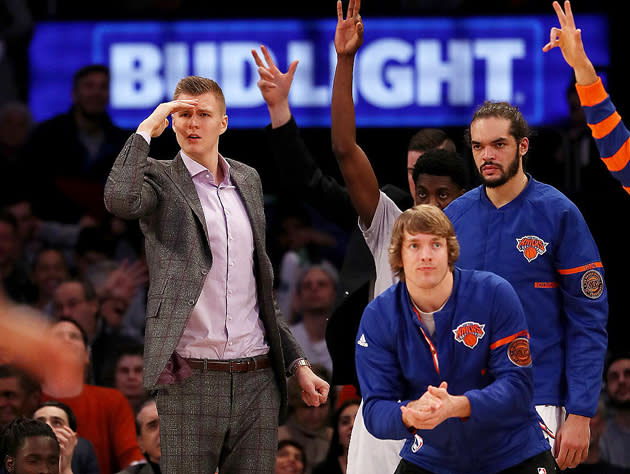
(297, 364)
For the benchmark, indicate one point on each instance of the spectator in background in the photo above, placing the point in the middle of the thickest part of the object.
(294, 243)
(35, 233)
(309, 426)
(71, 154)
(16, 27)
(291, 458)
(15, 276)
(93, 245)
(121, 300)
(148, 431)
(76, 299)
(28, 446)
(127, 375)
(122, 292)
(594, 464)
(337, 457)
(49, 271)
(16, 122)
(316, 287)
(616, 437)
(19, 394)
(103, 415)
(61, 419)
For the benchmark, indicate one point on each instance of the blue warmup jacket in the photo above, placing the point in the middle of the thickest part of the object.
(540, 243)
(480, 348)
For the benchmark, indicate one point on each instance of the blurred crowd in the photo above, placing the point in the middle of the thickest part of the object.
(64, 256)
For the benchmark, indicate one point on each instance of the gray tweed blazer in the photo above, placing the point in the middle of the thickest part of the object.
(162, 195)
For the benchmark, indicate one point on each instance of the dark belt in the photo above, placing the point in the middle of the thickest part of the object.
(235, 365)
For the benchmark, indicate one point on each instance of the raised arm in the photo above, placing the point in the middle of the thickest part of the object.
(611, 135)
(569, 39)
(353, 162)
(291, 156)
(275, 86)
(129, 193)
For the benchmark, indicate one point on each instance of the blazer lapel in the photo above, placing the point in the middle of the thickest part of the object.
(181, 177)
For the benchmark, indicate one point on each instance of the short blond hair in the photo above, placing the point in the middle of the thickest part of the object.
(425, 219)
(197, 85)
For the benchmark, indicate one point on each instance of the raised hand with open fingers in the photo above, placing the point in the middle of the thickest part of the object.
(273, 84)
(349, 32)
(569, 39)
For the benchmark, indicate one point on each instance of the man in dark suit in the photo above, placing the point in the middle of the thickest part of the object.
(216, 349)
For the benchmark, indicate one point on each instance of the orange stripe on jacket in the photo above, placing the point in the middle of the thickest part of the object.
(606, 126)
(507, 340)
(583, 268)
(592, 94)
(620, 159)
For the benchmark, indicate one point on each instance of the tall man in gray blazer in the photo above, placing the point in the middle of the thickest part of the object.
(216, 350)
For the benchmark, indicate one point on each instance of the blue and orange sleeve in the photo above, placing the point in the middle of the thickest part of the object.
(610, 134)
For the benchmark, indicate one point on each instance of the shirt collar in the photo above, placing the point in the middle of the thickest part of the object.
(195, 168)
(522, 195)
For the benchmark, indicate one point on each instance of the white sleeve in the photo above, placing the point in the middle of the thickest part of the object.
(378, 237)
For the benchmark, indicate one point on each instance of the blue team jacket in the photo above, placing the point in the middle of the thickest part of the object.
(480, 348)
(540, 243)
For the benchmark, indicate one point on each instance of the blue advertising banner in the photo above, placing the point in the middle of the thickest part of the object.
(410, 72)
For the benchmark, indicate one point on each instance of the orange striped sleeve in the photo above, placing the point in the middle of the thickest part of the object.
(591, 94)
(508, 339)
(603, 128)
(620, 159)
(583, 268)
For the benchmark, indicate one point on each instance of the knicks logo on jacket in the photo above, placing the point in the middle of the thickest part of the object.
(469, 333)
(531, 246)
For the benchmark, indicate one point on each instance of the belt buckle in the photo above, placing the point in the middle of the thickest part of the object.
(252, 364)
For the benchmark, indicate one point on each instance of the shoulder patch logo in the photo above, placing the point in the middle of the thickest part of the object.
(417, 443)
(469, 333)
(592, 284)
(531, 246)
(518, 352)
(362, 342)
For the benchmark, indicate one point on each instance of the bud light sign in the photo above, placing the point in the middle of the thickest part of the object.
(409, 72)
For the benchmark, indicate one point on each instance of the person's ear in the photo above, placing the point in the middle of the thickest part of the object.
(523, 146)
(224, 125)
(9, 463)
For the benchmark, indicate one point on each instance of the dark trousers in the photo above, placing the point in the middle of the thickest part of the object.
(219, 420)
(532, 465)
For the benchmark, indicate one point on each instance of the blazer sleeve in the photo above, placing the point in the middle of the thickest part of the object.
(130, 192)
(290, 347)
(306, 179)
